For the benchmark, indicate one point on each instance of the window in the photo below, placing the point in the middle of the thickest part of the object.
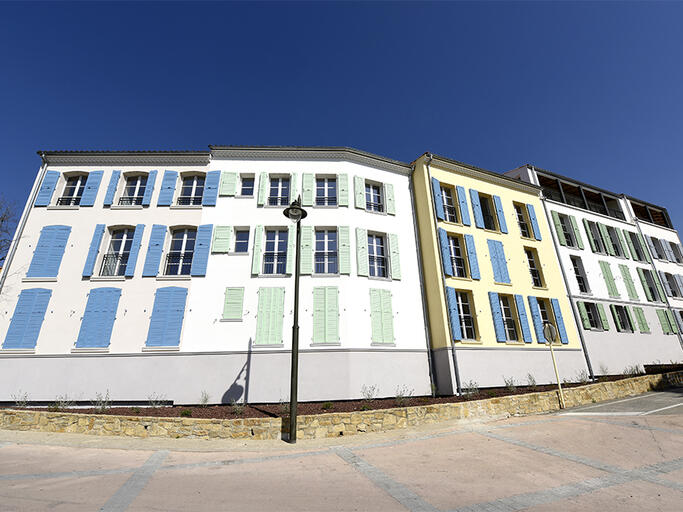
(326, 191)
(465, 315)
(673, 285)
(622, 319)
(580, 274)
(275, 255)
(192, 190)
(635, 243)
(115, 260)
(616, 243)
(650, 286)
(659, 250)
(676, 249)
(543, 309)
(73, 190)
(457, 256)
(377, 258)
(246, 185)
(487, 212)
(507, 310)
(597, 237)
(134, 190)
(520, 211)
(534, 267)
(326, 251)
(180, 253)
(567, 231)
(279, 192)
(593, 316)
(241, 240)
(373, 197)
(449, 208)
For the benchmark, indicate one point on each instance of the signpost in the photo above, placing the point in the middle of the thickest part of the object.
(550, 333)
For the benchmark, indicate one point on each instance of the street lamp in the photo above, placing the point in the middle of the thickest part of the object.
(550, 334)
(295, 213)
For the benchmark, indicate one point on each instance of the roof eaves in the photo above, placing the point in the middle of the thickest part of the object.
(492, 174)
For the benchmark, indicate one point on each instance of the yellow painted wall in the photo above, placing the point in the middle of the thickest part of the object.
(513, 243)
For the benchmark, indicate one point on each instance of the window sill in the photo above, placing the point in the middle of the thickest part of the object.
(275, 205)
(502, 284)
(517, 343)
(57, 207)
(161, 349)
(313, 274)
(268, 276)
(17, 351)
(230, 320)
(243, 197)
(466, 279)
(376, 213)
(375, 278)
(90, 350)
(540, 288)
(126, 207)
(267, 345)
(331, 344)
(373, 344)
(39, 280)
(470, 342)
(452, 223)
(185, 207)
(108, 278)
(174, 278)
(233, 253)
(325, 206)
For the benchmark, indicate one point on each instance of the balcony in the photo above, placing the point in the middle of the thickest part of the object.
(114, 264)
(275, 262)
(69, 201)
(178, 263)
(326, 262)
(374, 207)
(326, 201)
(278, 200)
(130, 200)
(189, 200)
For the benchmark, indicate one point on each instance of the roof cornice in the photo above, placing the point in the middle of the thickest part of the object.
(178, 158)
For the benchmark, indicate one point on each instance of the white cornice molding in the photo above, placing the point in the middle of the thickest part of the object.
(127, 158)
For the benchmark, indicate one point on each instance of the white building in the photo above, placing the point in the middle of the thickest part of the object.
(170, 274)
(619, 304)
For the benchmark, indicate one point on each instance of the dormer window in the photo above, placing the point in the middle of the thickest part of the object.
(73, 190)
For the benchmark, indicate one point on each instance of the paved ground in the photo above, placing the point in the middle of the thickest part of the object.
(623, 455)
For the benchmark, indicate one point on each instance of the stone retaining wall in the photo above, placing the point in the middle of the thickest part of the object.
(331, 424)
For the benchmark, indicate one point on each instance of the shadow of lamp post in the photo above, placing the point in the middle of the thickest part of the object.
(550, 334)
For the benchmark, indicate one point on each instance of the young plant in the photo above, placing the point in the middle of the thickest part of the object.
(237, 407)
(327, 405)
(61, 403)
(156, 400)
(470, 388)
(582, 376)
(604, 370)
(101, 402)
(20, 399)
(204, 398)
(403, 393)
(531, 381)
(186, 413)
(509, 383)
(369, 392)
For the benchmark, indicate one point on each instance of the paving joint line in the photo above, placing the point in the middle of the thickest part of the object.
(633, 425)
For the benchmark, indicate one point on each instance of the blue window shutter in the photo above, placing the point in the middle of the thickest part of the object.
(154, 249)
(54, 257)
(92, 185)
(98, 319)
(497, 318)
(476, 209)
(559, 321)
(166, 323)
(503, 264)
(438, 200)
(456, 332)
(47, 188)
(202, 246)
(501, 214)
(464, 211)
(534, 221)
(27, 320)
(94, 250)
(536, 318)
(134, 250)
(149, 188)
(472, 257)
(523, 321)
(111, 188)
(498, 263)
(213, 179)
(47, 256)
(167, 188)
(445, 252)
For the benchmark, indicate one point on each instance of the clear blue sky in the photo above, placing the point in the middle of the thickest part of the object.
(593, 91)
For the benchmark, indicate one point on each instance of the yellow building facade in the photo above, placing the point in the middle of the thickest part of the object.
(491, 279)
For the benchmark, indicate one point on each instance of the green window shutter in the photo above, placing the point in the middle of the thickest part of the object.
(307, 186)
(643, 281)
(277, 312)
(233, 304)
(306, 263)
(394, 259)
(630, 318)
(622, 240)
(293, 188)
(642, 322)
(344, 250)
(606, 239)
(589, 234)
(319, 312)
(577, 232)
(221, 239)
(376, 315)
(645, 250)
(609, 279)
(343, 189)
(631, 247)
(663, 321)
(660, 290)
(558, 228)
(332, 314)
(263, 316)
(362, 251)
(258, 253)
(262, 188)
(603, 317)
(584, 315)
(672, 321)
(391, 204)
(359, 191)
(615, 316)
(228, 186)
(291, 242)
(387, 317)
(630, 286)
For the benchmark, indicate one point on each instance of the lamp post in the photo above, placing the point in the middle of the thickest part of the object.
(295, 213)
(550, 334)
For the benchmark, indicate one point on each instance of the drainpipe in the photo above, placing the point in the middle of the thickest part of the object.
(22, 222)
(458, 387)
(577, 320)
(422, 284)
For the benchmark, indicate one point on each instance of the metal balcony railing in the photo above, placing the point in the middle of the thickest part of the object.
(130, 200)
(278, 200)
(374, 207)
(274, 262)
(178, 263)
(326, 262)
(69, 201)
(189, 200)
(114, 264)
(326, 201)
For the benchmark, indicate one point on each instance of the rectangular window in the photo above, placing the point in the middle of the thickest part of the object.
(597, 237)
(275, 255)
(457, 256)
(676, 250)
(567, 230)
(279, 192)
(507, 309)
(449, 208)
(73, 190)
(616, 243)
(326, 251)
(520, 211)
(374, 202)
(635, 242)
(115, 260)
(377, 256)
(191, 191)
(246, 185)
(326, 191)
(465, 315)
(242, 240)
(543, 309)
(181, 252)
(651, 287)
(659, 250)
(534, 267)
(487, 212)
(134, 191)
(673, 285)
(621, 318)
(593, 316)
(580, 274)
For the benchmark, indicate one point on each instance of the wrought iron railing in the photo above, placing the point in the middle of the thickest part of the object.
(451, 213)
(278, 200)
(189, 200)
(326, 262)
(378, 264)
(130, 200)
(274, 262)
(374, 207)
(69, 201)
(114, 264)
(326, 201)
(178, 263)
(489, 222)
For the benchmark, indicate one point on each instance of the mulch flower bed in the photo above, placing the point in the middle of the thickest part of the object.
(281, 410)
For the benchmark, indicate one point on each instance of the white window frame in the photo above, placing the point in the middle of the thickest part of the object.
(280, 199)
(508, 312)
(486, 199)
(623, 319)
(616, 243)
(457, 255)
(450, 206)
(567, 230)
(251, 177)
(182, 260)
(593, 316)
(534, 265)
(327, 252)
(327, 200)
(384, 258)
(246, 230)
(380, 205)
(463, 301)
(129, 233)
(137, 194)
(522, 221)
(580, 274)
(77, 195)
(193, 197)
(279, 257)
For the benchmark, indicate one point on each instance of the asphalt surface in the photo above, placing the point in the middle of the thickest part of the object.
(621, 455)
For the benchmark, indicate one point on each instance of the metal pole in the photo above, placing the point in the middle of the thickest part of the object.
(557, 375)
(295, 342)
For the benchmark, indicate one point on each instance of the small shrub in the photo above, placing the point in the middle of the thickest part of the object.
(604, 370)
(369, 392)
(365, 407)
(633, 370)
(20, 399)
(582, 376)
(509, 383)
(403, 393)
(204, 398)
(186, 413)
(470, 388)
(101, 402)
(283, 406)
(237, 407)
(156, 400)
(531, 381)
(61, 403)
(135, 410)
(490, 394)
(327, 405)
